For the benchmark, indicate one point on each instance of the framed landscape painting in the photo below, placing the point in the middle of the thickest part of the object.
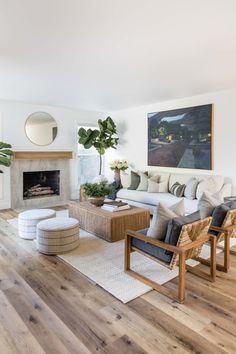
(181, 138)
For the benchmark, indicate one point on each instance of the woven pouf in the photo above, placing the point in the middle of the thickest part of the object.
(28, 220)
(57, 235)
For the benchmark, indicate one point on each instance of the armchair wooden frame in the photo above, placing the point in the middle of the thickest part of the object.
(225, 232)
(191, 240)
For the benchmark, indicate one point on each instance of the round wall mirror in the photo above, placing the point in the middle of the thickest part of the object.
(41, 128)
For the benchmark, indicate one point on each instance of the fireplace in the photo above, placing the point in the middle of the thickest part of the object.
(41, 184)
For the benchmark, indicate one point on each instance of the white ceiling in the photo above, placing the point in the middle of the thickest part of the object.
(113, 54)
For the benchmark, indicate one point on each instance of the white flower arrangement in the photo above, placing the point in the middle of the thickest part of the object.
(119, 165)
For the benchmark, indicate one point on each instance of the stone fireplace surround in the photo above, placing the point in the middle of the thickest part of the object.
(24, 165)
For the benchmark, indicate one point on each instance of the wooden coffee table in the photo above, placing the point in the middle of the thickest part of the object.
(110, 226)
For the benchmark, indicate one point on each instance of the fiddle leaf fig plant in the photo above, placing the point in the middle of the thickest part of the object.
(102, 139)
(5, 154)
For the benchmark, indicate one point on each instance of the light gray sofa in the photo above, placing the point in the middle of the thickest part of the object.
(151, 200)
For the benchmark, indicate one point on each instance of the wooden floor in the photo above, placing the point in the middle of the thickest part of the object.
(48, 307)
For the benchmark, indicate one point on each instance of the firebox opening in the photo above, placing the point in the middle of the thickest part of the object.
(41, 184)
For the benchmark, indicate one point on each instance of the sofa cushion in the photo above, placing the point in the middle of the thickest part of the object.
(161, 218)
(175, 225)
(208, 203)
(153, 251)
(177, 189)
(135, 180)
(212, 185)
(191, 188)
(143, 185)
(153, 199)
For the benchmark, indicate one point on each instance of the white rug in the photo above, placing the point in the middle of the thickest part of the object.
(103, 263)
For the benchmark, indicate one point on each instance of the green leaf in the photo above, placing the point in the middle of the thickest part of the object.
(5, 146)
(82, 132)
(7, 152)
(88, 144)
(5, 161)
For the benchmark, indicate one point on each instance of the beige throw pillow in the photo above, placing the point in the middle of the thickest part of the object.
(210, 185)
(207, 203)
(157, 187)
(161, 218)
(143, 185)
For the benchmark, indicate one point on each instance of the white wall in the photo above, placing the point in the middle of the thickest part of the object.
(132, 126)
(12, 121)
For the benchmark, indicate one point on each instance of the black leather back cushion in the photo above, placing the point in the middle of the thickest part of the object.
(175, 225)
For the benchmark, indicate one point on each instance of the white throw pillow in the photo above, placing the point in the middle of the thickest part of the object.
(191, 188)
(207, 203)
(143, 185)
(161, 218)
(211, 185)
(125, 179)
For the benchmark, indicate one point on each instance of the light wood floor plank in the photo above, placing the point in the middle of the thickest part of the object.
(46, 306)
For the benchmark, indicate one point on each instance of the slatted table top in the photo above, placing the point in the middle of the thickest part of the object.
(97, 210)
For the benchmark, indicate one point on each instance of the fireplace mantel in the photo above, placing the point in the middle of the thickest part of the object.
(42, 155)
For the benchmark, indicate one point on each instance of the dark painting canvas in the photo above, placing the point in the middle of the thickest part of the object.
(181, 138)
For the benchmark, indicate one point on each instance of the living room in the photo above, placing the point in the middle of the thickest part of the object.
(117, 191)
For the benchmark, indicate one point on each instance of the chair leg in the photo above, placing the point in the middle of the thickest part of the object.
(127, 252)
(182, 276)
(226, 263)
(227, 252)
(160, 288)
(208, 262)
(213, 258)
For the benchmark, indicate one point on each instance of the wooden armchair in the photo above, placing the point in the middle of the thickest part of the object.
(191, 239)
(224, 233)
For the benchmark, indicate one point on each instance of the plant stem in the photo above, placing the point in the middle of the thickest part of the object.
(100, 164)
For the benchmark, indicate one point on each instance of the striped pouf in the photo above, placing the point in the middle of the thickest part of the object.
(28, 220)
(57, 235)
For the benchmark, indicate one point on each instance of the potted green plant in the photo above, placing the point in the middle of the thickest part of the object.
(96, 192)
(102, 138)
(5, 155)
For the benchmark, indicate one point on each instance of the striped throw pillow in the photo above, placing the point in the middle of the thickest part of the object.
(178, 189)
